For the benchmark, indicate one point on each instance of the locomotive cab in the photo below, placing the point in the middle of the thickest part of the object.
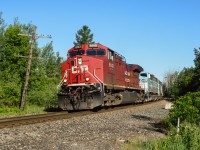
(82, 84)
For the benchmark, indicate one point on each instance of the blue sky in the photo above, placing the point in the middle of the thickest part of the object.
(159, 35)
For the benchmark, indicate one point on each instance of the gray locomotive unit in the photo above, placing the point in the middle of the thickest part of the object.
(151, 85)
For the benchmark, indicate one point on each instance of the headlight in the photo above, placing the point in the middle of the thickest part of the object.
(87, 79)
(79, 61)
(65, 80)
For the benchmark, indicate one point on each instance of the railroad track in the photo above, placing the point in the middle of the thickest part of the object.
(40, 118)
(32, 119)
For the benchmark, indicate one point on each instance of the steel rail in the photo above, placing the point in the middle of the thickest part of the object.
(40, 118)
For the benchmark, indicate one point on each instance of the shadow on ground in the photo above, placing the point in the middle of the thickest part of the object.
(142, 117)
(157, 126)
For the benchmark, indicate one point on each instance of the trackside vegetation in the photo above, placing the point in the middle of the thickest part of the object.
(187, 139)
(187, 108)
(44, 75)
(185, 89)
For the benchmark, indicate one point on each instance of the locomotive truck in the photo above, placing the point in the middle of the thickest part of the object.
(95, 76)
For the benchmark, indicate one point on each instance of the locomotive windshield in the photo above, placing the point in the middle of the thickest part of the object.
(99, 52)
(75, 53)
(143, 74)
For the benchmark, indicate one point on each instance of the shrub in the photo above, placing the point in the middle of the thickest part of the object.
(188, 139)
(44, 93)
(187, 108)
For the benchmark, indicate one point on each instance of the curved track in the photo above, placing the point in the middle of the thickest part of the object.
(32, 119)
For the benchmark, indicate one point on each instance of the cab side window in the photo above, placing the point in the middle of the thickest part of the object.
(111, 55)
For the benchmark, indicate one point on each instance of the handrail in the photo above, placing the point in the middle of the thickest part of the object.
(97, 79)
(61, 82)
(96, 76)
(100, 81)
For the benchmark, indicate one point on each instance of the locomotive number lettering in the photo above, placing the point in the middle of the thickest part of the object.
(127, 73)
(111, 65)
(127, 80)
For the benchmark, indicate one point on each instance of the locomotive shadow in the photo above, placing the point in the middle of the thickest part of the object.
(60, 110)
(157, 126)
(53, 109)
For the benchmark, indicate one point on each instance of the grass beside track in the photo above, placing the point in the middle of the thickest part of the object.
(30, 109)
(187, 139)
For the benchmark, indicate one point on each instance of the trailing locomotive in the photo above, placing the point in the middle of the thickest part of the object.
(94, 75)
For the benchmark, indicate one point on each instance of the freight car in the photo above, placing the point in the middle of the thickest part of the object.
(94, 75)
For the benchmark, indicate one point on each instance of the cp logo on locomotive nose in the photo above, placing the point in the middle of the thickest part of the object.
(76, 69)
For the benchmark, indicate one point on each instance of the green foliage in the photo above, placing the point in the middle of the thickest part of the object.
(187, 139)
(44, 92)
(183, 83)
(169, 85)
(197, 58)
(2, 30)
(15, 46)
(45, 69)
(84, 36)
(190, 135)
(50, 61)
(187, 108)
(10, 89)
(30, 109)
(196, 77)
(188, 79)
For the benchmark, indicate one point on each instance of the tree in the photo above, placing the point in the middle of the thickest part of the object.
(183, 83)
(45, 78)
(2, 26)
(188, 80)
(169, 83)
(50, 61)
(196, 78)
(84, 36)
(45, 69)
(13, 67)
(2, 41)
(15, 46)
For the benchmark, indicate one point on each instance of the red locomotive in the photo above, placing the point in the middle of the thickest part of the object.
(94, 75)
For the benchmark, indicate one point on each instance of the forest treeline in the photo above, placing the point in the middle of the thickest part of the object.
(184, 87)
(178, 83)
(45, 71)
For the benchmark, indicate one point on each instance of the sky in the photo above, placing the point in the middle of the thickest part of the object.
(159, 35)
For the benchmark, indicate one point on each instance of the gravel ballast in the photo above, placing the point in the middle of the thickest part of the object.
(101, 131)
